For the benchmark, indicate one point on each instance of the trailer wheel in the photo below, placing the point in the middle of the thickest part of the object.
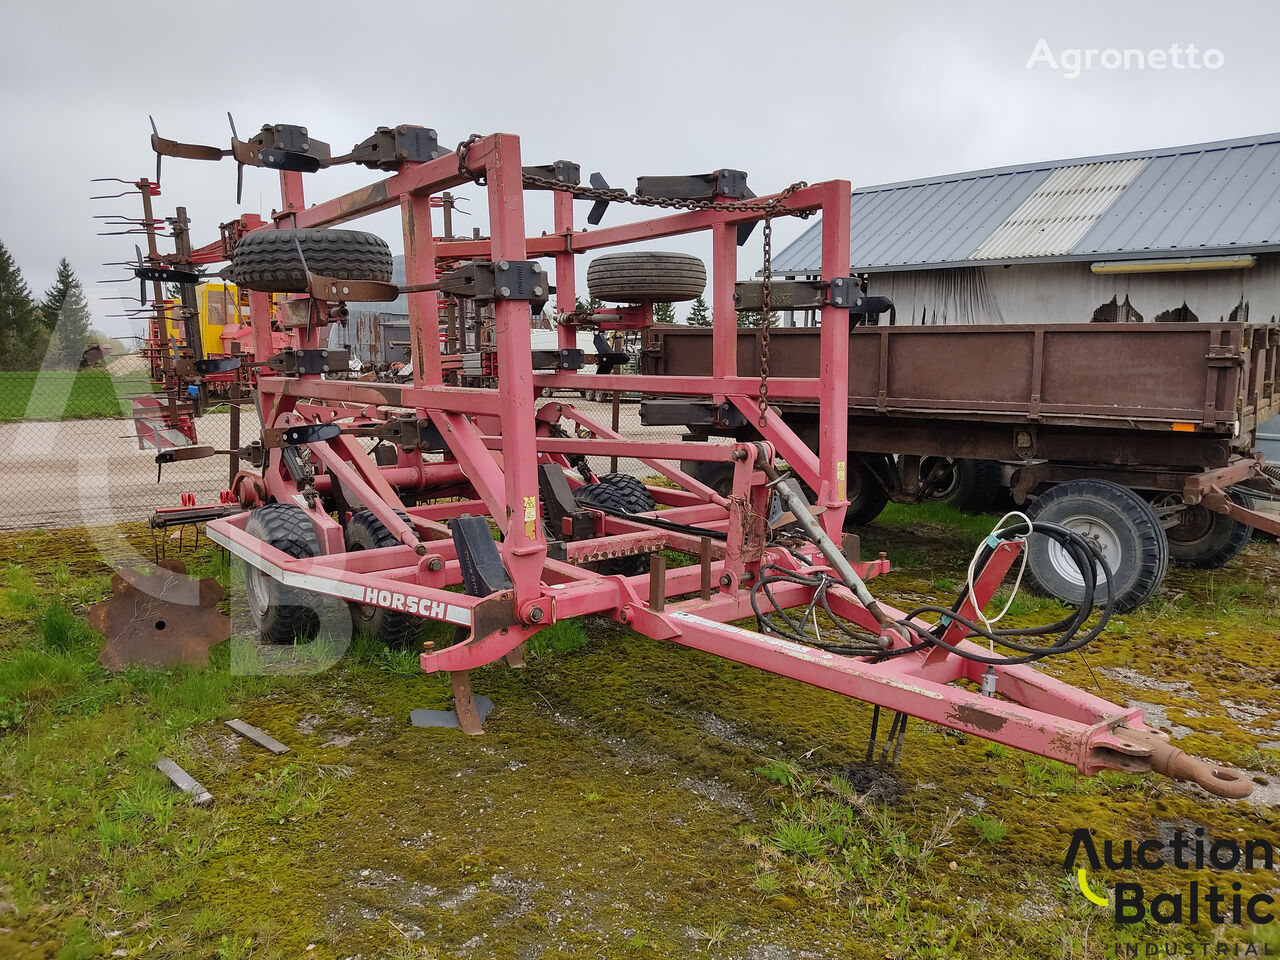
(646, 277)
(1206, 539)
(867, 495)
(282, 614)
(395, 629)
(1118, 524)
(267, 260)
(969, 485)
(619, 491)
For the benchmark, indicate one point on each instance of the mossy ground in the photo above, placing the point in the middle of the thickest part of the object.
(628, 799)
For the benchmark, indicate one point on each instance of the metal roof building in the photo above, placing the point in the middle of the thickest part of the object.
(1199, 200)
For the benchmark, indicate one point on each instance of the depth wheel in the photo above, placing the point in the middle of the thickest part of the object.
(392, 627)
(647, 277)
(267, 260)
(619, 491)
(282, 614)
(1119, 525)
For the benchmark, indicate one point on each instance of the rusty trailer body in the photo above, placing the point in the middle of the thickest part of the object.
(1167, 409)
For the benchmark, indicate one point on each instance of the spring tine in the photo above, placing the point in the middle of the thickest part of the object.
(155, 133)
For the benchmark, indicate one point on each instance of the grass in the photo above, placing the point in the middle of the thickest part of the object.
(678, 802)
(67, 395)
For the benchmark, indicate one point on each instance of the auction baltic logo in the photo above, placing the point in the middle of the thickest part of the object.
(1225, 905)
(1073, 61)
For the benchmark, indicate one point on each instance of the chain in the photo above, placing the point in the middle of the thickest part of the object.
(770, 208)
(462, 150)
(766, 321)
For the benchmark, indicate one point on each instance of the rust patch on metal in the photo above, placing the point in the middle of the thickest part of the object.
(359, 200)
(971, 716)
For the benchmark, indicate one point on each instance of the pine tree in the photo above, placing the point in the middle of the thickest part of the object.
(66, 312)
(56, 296)
(751, 318)
(664, 313)
(23, 335)
(699, 315)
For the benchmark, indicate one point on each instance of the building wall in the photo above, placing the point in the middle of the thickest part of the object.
(1071, 293)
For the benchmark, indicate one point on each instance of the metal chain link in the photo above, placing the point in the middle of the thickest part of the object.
(462, 150)
(770, 208)
(766, 291)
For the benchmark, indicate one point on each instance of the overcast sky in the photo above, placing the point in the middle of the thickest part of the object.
(870, 92)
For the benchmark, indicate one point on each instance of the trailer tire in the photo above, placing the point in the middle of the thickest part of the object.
(646, 277)
(1118, 523)
(867, 495)
(1206, 539)
(969, 485)
(619, 491)
(267, 260)
(394, 628)
(282, 614)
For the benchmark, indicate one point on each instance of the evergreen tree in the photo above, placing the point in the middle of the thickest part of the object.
(699, 315)
(56, 295)
(751, 318)
(66, 311)
(664, 313)
(23, 335)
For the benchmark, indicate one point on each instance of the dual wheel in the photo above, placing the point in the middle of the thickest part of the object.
(288, 614)
(1126, 531)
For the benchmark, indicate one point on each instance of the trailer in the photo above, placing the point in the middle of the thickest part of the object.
(1140, 436)
(486, 517)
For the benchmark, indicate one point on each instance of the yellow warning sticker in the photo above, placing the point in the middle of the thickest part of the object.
(531, 517)
(839, 479)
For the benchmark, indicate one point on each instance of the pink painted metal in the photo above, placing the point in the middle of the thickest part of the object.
(496, 439)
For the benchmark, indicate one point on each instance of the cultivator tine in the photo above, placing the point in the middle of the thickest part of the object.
(239, 166)
(464, 705)
(185, 151)
(891, 752)
(600, 206)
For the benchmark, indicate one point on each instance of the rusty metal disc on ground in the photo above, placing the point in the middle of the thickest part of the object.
(160, 619)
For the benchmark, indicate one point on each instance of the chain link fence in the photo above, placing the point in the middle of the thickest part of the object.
(70, 455)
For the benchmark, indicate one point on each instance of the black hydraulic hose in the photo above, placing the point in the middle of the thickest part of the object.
(1068, 630)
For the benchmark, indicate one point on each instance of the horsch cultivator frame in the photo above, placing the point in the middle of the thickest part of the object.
(321, 516)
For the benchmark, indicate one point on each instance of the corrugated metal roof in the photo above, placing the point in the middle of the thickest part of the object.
(1199, 198)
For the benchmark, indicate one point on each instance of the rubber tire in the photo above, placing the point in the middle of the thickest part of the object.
(618, 491)
(867, 496)
(646, 277)
(974, 485)
(395, 629)
(267, 260)
(290, 614)
(1223, 541)
(1143, 546)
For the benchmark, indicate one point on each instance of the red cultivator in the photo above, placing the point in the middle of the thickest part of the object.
(396, 537)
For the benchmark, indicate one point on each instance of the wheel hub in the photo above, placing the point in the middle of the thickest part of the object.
(1102, 539)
